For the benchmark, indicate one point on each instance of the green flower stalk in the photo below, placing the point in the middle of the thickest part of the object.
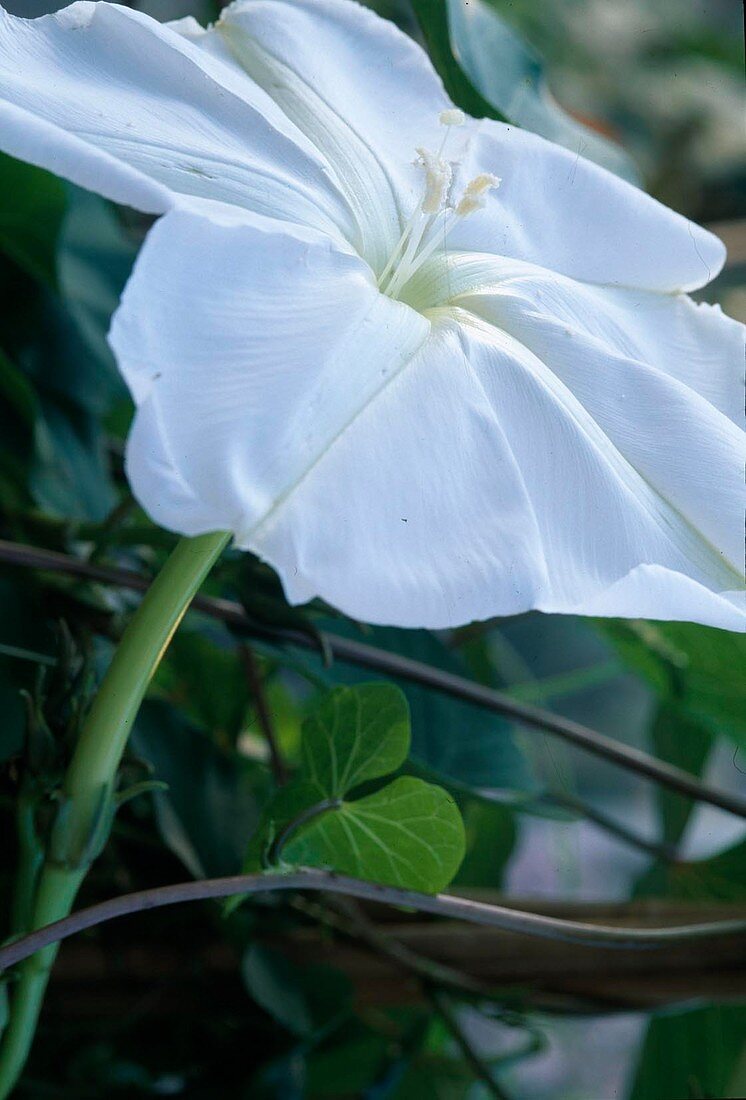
(88, 788)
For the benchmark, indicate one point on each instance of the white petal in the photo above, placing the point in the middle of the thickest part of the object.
(362, 91)
(123, 106)
(608, 494)
(695, 343)
(409, 472)
(418, 516)
(666, 595)
(611, 349)
(249, 346)
(487, 489)
(567, 214)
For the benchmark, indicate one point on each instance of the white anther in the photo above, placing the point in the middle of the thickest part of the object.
(452, 117)
(475, 195)
(437, 181)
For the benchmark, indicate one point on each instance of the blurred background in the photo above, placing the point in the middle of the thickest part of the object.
(179, 1004)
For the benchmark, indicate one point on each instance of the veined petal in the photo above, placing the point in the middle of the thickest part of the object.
(601, 343)
(121, 105)
(409, 471)
(572, 216)
(489, 490)
(602, 517)
(361, 90)
(695, 343)
(427, 519)
(250, 346)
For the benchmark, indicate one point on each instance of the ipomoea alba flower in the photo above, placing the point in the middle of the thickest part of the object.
(432, 369)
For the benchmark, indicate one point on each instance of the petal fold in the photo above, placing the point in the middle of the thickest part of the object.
(411, 470)
(362, 91)
(646, 368)
(119, 104)
(249, 346)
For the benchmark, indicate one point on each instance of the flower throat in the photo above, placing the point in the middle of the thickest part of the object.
(436, 213)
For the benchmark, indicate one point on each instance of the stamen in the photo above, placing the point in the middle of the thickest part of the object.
(438, 175)
(452, 117)
(475, 195)
(435, 215)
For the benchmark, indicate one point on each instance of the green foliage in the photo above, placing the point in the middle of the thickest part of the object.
(408, 833)
(452, 741)
(355, 735)
(18, 414)
(211, 800)
(204, 676)
(309, 1001)
(690, 1054)
(490, 71)
(703, 669)
(433, 20)
(30, 223)
(720, 878)
(491, 832)
(684, 740)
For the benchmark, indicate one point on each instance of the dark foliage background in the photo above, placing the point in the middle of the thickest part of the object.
(272, 1000)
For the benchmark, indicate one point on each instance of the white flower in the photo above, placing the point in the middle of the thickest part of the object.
(422, 396)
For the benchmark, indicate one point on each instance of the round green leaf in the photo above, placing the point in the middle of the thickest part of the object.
(409, 834)
(356, 734)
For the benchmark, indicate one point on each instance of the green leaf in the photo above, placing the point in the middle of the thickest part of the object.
(95, 257)
(22, 630)
(285, 805)
(309, 1001)
(408, 834)
(203, 675)
(490, 836)
(490, 71)
(355, 735)
(691, 1053)
(452, 740)
(31, 212)
(211, 802)
(719, 878)
(700, 667)
(432, 16)
(508, 73)
(683, 740)
(18, 415)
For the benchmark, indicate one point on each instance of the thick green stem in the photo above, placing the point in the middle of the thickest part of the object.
(30, 862)
(92, 774)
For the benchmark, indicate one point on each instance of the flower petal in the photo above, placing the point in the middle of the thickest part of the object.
(611, 349)
(418, 516)
(488, 489)
(121, 105)
(410, 472)
(249, 345)
(695, 343)
(567, 214)
(363, 92)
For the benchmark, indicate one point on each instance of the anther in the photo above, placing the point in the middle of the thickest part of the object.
(438, 175)
(475, 195)
(452, 117)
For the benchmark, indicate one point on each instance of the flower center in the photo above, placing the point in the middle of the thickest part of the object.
(436, 213)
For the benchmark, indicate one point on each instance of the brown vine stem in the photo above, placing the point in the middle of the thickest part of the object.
(264, 715)
(391, 664)
(443, 905)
